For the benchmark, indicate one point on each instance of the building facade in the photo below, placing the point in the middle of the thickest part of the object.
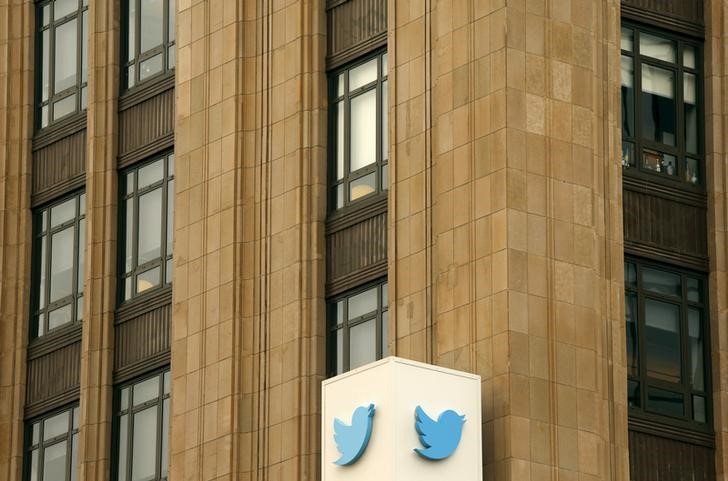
(207, 207)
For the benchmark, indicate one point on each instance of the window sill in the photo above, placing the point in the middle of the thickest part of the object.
(356, 212)
(677, 429)
(146, 302)
(57, 130)
(56, 339)
(146, 90)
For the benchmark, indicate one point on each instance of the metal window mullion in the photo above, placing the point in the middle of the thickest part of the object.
(347, 144)
(160, 419)
(130, 437)
(345, 349)
(165, 221)
(642, 359)
(165, 36)
(134, 236)
(379, 111)
(685, 360)
(637, 101)
(69, 445)
(41, 448)
(51, 63)
(49, 274)
(137, 44)
(79, 58)
(378, 325)
(74, 268)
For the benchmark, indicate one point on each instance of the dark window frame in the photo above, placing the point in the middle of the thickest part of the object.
(134, 61)
(382, 286)
(40, 313)
(70, 436)
(164, 377)
(684, 387)
(80, 89)
(381, 165)
(165, 258)
(636, 167)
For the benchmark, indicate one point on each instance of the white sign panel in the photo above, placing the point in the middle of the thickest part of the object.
(401, 420)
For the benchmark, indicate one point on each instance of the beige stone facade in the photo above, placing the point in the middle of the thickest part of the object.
(505, 238)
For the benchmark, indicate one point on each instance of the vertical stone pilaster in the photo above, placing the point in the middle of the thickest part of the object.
(247, 351)
(716, 161)
(101, 243)
(16, 109)
(519, 147)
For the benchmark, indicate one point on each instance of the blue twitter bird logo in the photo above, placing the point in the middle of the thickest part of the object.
(351, 441)
(441, 437)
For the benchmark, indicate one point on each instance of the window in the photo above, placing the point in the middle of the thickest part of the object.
(142, 430)
(150, 37)
(667, 349)
(147, 213)
(52, 451)
(58, 270)
(358, 328)
(360, 148)
(62, 52)
(661, 105)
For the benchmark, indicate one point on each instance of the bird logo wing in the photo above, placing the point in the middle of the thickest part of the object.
(351, 441)
(440, 438)
(427, 428)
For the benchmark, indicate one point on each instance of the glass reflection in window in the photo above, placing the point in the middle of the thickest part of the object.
(148, 211)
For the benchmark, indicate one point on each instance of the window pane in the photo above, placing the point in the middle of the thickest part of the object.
(385, 66)
(628, 158)
(385, 128)
(362, 186)
(61, 264)
(340, 140)
(170, 21)
(690, 96)
(633, 394)
(34, 465)
(363, 303)
(45, 81)
(74, 456)
(59, 317)
(657, 47)
(658, 104)
(55, 426)
(44, 116)
(150, 226)
(123, 440)
(661, 282)
(131, 23)
(627, 97)
(165, 438)
(152, 24)
(339, 313)
(697, 367)
(665, 402)
(150, 174)
(84, 48)
(340, 195)
(42, 283)
(362, 344)
(146, 391)
(129, 235)
(689, 56)
(385, 177)
(166, 382)
(144, 441)
(692, 170)
(662, 340)
(340, 86)
(385, 333)
(148, 279)
(54, 462)
(694, 293)
(63, 212)
(363, 130)
(630, 275)
(130, 77)
(150, 67)
(75, 421)
(65, 56)
(699, 409)
(46, 14)
(170, 215)
(363, 74)
(125, 398)
(627, 41)
(171, 57)
(630, 308)
(36, 434)
(659, 161)
(61, 8)
(339, 351)
(79, 309)
(64, 107)
(169, 271)
(80, 256)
